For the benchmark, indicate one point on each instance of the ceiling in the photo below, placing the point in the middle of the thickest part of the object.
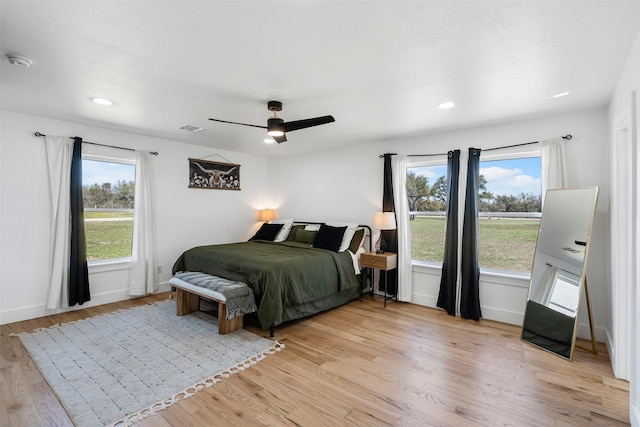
(379, 67)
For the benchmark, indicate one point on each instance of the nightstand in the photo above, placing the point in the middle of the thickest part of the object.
(386, 262)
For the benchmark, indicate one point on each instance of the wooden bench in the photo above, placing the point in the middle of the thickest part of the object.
(188, 301)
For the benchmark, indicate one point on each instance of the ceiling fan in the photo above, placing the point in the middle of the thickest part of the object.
(277, 128)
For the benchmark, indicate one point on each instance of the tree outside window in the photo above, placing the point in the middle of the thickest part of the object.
(509, 200)
(108, 195)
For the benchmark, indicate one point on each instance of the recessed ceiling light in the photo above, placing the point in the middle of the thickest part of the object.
(558, 95)
(102, 101)
(269, 141)
(446, 105)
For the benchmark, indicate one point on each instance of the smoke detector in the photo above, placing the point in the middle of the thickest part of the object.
(191, 128)
(19, 60)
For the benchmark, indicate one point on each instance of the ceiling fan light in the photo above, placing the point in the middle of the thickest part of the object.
(274, 126)
(275, 132)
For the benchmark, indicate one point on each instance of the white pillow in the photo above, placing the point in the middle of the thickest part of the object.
(312, 227)
(284, 231)
(348, 234)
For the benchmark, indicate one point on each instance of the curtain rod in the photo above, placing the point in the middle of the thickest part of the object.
(155, 153)
(567, 137)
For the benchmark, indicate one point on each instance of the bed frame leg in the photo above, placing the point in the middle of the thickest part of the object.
(272, 332)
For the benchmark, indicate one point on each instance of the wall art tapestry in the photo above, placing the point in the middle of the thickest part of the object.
(213, 175)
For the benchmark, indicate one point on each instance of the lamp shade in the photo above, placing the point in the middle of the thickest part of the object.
(384, 220)
(266, 215)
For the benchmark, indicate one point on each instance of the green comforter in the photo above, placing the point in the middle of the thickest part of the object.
(287, 278)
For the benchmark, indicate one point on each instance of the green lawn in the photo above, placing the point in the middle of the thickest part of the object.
(108, 239)
(503, 243)
(107, 214)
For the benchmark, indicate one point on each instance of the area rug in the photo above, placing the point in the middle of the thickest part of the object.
(119, 368)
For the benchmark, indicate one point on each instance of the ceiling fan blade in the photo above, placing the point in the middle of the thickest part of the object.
(280, 139)
(236, 123)
(307, 123)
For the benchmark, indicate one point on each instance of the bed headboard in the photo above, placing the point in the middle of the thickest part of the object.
(367, 231)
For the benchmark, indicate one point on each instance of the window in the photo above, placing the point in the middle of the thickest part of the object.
(427, 193)
(509, 211)
(565, 294)
(108, 188)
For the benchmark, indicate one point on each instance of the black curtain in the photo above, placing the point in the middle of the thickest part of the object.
(447, 294)
(470, 271)
(78, 273)
(389, 236)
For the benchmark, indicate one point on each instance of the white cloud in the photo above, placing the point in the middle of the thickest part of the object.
(97, 172)
(424, 172)
(510, 182)
(431, 172)
(496, 173)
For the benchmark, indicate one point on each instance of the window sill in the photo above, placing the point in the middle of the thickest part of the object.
(484, 272)
(507, 274)
(505, 277)
(102, 266)
(429, 267)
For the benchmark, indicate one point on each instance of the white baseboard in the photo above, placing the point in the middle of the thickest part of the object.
(425, 300)
(489, 313)
(611, 349)
(585, 333)
(501, 315)
(40, 310)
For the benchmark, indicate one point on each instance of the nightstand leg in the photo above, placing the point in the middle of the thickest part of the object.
(386, 286)
(386, 289)
(372, 277)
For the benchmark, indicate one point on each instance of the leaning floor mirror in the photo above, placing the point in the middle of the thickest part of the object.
(558, 274)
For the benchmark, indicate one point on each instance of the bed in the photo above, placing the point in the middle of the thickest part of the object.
(292, 275)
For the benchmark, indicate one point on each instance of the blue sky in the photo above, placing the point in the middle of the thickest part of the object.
(512, 177)
(95, 172)
(504, 177)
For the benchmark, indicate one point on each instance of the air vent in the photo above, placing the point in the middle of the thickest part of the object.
(194, 129)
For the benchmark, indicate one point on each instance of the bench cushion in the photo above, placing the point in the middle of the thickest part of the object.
(237, 296)
(216, 296)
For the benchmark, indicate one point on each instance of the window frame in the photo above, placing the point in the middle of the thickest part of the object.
(529, 152)
(511, 155)
(109, 264)
(440, 161)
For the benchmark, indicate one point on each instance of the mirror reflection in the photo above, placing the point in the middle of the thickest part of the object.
(558, 269)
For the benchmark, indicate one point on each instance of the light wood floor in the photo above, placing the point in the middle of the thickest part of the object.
(364, 365)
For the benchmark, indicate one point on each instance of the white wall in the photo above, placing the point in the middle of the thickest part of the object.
(186, 217)
(624, 330)
(344, 184)
(347, 184)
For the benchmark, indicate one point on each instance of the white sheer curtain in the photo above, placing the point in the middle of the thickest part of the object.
(554, 170)
(144, 254)
(59, 152)
(399, 170)
(541, 293)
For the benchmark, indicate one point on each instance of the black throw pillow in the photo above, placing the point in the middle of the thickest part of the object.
(267, 232)
(329, 237)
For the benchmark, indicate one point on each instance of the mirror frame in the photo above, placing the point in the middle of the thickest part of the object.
(582, 282)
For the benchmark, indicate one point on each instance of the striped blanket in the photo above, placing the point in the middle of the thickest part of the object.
(239, 297)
